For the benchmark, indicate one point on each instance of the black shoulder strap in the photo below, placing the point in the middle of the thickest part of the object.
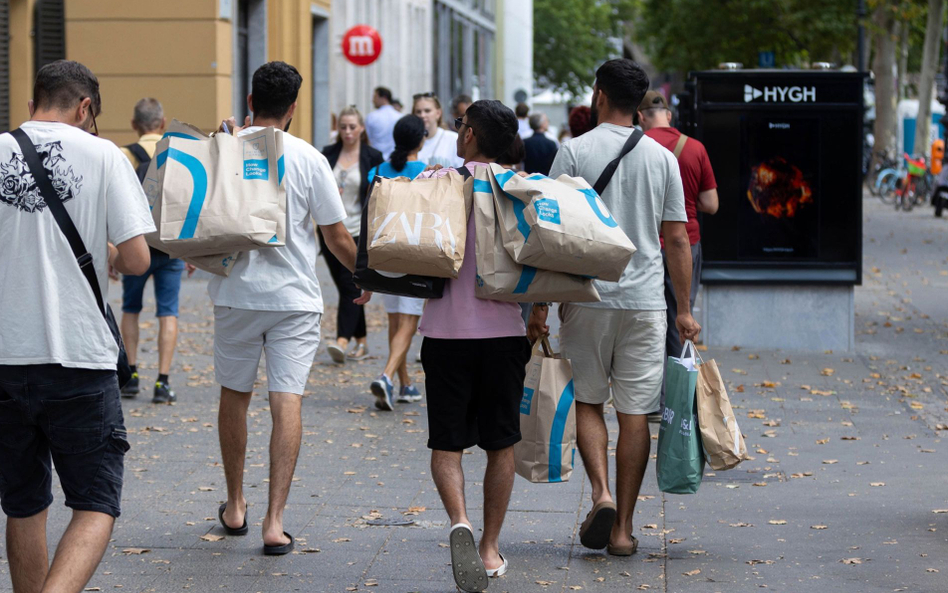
(465, 172)
(610, 169)
(41, 178)
(140, 153)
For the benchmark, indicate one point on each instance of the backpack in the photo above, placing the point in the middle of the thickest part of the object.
(143, 160)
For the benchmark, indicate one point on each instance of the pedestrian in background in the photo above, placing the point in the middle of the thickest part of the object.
(149, 122)
(616, 346)
(403, 312)
(459, 106)
(701, 195)
(540, 150)
(271, 301)
(60, 394)
(474, 355)
(523, 120)
(380, 123)
(350, 158)
(441, 144)
(580, 121)
(397, 104)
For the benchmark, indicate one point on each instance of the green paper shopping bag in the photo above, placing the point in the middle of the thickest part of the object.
(680, 463)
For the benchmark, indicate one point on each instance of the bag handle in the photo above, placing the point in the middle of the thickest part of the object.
(680, 146)
(606, 176)
(45, 187)
(694, 352)
(547, 349)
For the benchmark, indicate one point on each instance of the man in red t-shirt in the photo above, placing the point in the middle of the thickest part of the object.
(701, 194)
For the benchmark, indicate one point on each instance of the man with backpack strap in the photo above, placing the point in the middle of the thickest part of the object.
(149, 122)
(701, 195)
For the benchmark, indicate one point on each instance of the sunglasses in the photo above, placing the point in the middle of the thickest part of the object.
(95, 127)
(428, 95)
(458, 123)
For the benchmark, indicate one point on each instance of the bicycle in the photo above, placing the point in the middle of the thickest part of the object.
(915, 186)
(885, 178)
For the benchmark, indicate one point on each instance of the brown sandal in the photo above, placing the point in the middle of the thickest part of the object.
(623, 550)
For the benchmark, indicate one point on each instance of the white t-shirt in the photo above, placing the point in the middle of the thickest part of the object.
(442, 150)
(284, 278)
(49, 314)
(379, 127)
(645, 190)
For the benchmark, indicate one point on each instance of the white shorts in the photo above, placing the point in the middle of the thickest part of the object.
(622, 347)
(403, 304)
(290, 339)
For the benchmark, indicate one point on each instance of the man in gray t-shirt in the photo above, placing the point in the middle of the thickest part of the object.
(617, 346)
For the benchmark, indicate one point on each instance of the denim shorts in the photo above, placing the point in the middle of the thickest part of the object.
(70, 417)
(167, 274)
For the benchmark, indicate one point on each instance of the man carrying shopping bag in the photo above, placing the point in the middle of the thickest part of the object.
(680, 461)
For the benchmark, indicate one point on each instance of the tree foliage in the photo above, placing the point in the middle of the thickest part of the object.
(683, 35)
(571, 38)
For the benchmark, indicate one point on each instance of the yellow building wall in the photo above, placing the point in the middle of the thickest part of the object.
(21, 60)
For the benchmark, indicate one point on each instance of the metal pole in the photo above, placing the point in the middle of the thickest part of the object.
(861, 44)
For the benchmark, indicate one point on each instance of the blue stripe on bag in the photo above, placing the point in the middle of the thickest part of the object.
(198, 195)
(591, 197)
(556, 433)
(527, 274)
(179, 135)
(281, 168)
(482, 187)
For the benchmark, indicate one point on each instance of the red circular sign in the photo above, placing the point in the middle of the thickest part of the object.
(362, 45)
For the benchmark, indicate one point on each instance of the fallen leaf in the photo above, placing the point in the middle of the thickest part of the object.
(817, 526)
(801, 475)
(739, 371)
(777, 522)
(827, 372)
(940, 511)
(756, 562)
(650, 526)
(760, 483)
(741, 524)
(768, 384)
(830, 461)
(210, 537)
(692, 573)
(823, 441)
(545, 583)
(677, 540)
(135, 551)
(341, 540)
(876, 484)
(752, 357)
(931, 570)
(851, 560)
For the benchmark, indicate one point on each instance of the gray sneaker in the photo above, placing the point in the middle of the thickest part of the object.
(409, 394)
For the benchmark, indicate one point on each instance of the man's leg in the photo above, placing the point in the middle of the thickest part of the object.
(632, 453)
(498, 484)
(286, 410)
(130, 336)
(592, 438)
(167, 338)
(27, 553)
(232, 432)
(449, 478)
(79, 552)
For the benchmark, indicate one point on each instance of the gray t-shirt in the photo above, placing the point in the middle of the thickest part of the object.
(645, 190)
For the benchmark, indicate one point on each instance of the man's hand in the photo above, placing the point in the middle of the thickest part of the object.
(231, 125)
(364, 298)
(112, 273)
(688, 328)
(537, 327)
(433, 168)
(189, 268)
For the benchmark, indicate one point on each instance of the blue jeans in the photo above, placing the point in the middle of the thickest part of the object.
(167, 273)
(69, 417)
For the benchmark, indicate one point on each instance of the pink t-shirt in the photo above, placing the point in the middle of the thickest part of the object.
(459, 315)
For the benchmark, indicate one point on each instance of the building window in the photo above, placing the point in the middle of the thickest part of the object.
(49, 32)
(250, 50)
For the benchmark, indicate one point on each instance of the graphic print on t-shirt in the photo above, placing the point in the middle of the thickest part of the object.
(18, 188)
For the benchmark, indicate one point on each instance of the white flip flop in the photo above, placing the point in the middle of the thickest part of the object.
(469, 572)
(498, 572)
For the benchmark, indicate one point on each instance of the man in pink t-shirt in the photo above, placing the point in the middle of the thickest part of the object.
(474, 354)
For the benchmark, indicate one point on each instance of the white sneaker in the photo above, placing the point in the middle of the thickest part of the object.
(336, 353)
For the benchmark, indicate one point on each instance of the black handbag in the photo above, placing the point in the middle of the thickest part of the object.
(83, 257)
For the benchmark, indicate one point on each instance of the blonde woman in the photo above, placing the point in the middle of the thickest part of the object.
(441, 146)
(351, 158)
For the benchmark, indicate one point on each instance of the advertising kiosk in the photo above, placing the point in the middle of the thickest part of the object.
(784, 251)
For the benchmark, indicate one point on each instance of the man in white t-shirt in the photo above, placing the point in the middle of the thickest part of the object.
(617, 346)
(59, 394)
(380, 124)
(271, 301)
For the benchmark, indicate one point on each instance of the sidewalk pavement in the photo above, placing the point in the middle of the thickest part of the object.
(846, 489)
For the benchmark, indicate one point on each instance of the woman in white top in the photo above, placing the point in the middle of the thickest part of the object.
(350, 158)
(441, 146)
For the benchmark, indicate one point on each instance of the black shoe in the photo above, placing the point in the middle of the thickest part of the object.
(163, 394)
(131, 388)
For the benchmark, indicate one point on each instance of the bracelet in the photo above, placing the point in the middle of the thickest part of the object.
(541, 304)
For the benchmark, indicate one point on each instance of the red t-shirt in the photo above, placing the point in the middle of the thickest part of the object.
(696, 173)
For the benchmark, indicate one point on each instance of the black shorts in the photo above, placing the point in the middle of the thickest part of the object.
(72, 417)
(474, 388)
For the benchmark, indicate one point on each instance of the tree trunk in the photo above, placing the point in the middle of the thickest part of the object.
(926, 80)
(883, 66)
(903, 61)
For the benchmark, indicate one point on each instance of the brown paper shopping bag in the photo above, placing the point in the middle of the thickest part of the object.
(500, 278)
(222, 194)
(418, 226)
(547, 418)
(723, 442)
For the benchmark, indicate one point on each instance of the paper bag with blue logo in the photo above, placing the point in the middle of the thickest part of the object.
(559, 225)
(222, 194)
(547, 418)
(499, 277)
(680, 461)
(418, 226)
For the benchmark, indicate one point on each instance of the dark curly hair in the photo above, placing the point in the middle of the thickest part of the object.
(494, 125)
(64, 83)
(275, 87)
(580, 121)
(408, 134)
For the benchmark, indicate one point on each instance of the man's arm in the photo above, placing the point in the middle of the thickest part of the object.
(678, 254)
(131, 257)
(340, 243)
(708, 201)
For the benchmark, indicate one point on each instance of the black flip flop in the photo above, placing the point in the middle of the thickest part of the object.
(279, 550)
(231, 530)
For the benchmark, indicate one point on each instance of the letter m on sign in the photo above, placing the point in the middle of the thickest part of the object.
(361, 45)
